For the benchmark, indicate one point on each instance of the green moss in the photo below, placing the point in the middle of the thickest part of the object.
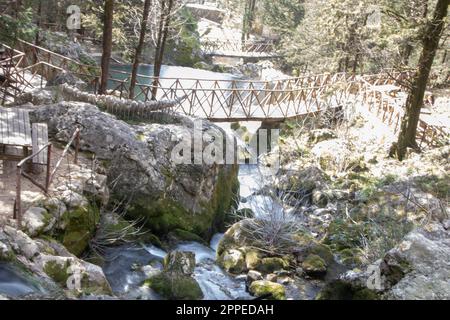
(252, 259)
(184, 235)
(323, 251)
(80, 228)
(261, 288)
(57, 272)
(8, 256)
(164, 214)
(92, 288)
(270, 265)
(235, 126)
(314, 265)
(339, 290)
(438, 186)
(232, 261)
(175, 286)
(352, 257)
(344, 235)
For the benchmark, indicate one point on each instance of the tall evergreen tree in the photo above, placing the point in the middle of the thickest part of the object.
(107, 44)
(139, 47)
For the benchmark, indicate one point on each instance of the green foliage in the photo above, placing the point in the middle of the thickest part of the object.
(125, 16)
(184, 48)
(337, 35)
(283, 16)
(20, 28)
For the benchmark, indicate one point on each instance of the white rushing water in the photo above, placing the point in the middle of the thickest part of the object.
(126, 271)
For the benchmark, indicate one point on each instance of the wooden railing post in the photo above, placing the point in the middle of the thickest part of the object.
(47, 177)
(18, 197)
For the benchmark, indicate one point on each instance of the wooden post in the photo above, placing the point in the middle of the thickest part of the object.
(77, 146)
(18, 197)
(47, 178)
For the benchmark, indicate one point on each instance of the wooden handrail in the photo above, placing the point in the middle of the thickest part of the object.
(18, 214)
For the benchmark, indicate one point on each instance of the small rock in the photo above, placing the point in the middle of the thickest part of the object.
(252, 259)
(233, 261)
(37, 220)
(73, 199)
(446, 224)
(182, 262)
(253, 275)
(272, 277)
(270, 265)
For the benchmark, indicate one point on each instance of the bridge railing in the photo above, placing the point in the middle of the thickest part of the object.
(389, 109)
(34, 54)
(213, 45)
(232, 100)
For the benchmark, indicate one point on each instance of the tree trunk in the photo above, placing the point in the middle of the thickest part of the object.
(166, 13)
(17, 8)
(139, 47)
(414, 103)
(107, 44)
(249, 17)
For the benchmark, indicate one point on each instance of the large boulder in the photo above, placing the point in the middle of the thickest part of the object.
(419, 267)
(138, 159)
(50, 265)
(416, 269)
(76, 276)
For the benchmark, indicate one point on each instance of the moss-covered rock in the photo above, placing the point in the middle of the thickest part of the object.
(252, 259)
(175, 286)
(344, 235)
(272, 264)
(340, 290)
(323, 251)
(6, 252)
(182, 262)
(166, 214)
(80, 226)
(352, 257)
(314, 266)
(320, 135)
(261, 288)
(236, 237)
(58, 271)
(232, 261)
(76, 276)
(182, 235)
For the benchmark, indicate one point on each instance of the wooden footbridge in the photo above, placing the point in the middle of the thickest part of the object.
(222, 100)
(260, 49)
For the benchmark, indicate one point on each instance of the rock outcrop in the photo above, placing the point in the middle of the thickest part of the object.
(419, 267)
(49, 264)
(138, 161)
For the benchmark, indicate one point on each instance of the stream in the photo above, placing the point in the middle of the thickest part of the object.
(128, 266)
